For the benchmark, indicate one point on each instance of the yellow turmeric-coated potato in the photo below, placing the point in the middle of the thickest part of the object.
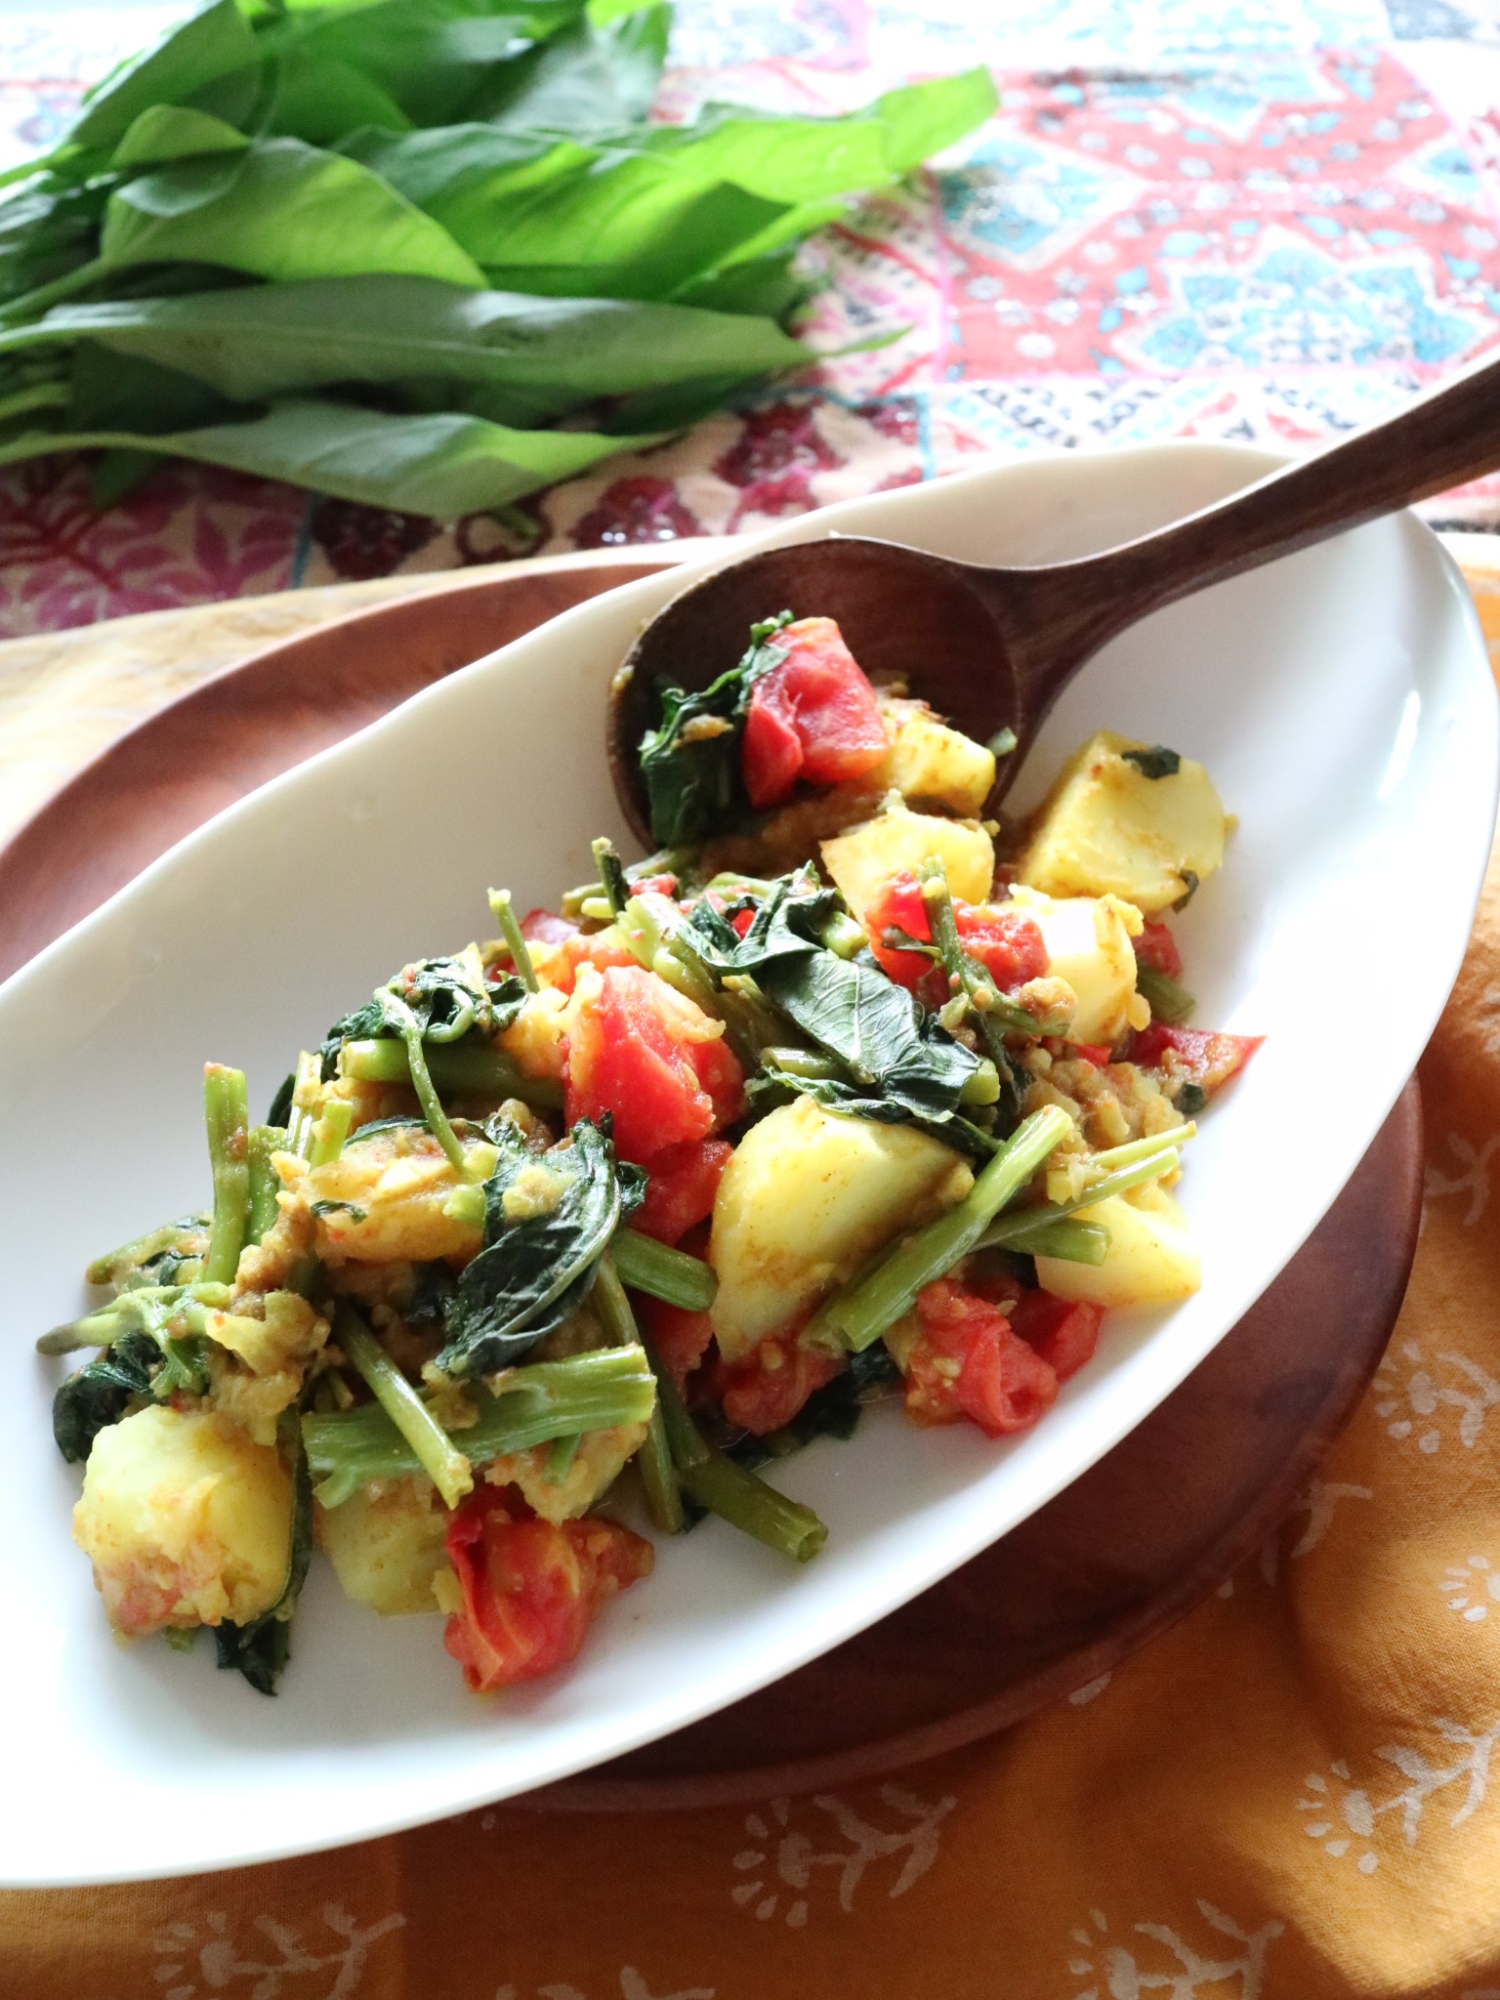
(930, 762)
(1088, 945)
(186, 1521)
(597, 1464)
(385, 1197)
(1109, 828)
(1152, 1259)
(865, 858)
(808, 1195)
(387, 1546)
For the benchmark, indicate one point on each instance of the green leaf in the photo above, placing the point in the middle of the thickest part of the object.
(438, 164)
(320, 99)
(100, 1394)
(586, 82)
(447, 1000)
(924, 118)
(258, 341)
(439, 60)
(690, 761)
(782, 159)
(261, 1649)
(175, 132)
(536, 1269)
(279, 210)
(111, 392)
(201, 49)
(443, 466)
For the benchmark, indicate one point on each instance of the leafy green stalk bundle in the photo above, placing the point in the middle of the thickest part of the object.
(385, 248)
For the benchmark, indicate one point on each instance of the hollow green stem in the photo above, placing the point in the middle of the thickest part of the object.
(437, 1454)
(560, 1458)
(806, 1063)
(330, 1131)
(611, 874)
(654, 1459)
(40, 396)
(735, 1495)
(264, 1185)
(530, 1405)
(665, 1273)
(227, 1115)
(76, 280)
(1070, 1242)
(1020, 1231)
(458, 1069)
(307, 1095)
(503, 911)
(861, 1312)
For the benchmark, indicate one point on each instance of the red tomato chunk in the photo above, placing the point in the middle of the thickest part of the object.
(531, 1590)
(649, 1056)
(680, 1188)
(1008, 945)
(679, 1338)
(1064, 1332)
(813, 715)
(1193, 1055)
(767, 1389)
(969, 1362)
(1156, 948)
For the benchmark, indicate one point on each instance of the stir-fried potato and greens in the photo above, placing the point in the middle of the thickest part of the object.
(597, 1218)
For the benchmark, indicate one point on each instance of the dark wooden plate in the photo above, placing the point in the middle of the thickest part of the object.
(1125, 1551)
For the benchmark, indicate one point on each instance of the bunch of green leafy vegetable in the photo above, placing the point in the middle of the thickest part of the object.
(427, 254)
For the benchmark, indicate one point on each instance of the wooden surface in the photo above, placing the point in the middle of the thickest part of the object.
(1123, 1552)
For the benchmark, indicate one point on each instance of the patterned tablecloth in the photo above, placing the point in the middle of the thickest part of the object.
(1266, 219)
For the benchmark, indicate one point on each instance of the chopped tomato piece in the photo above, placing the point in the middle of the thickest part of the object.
(899, 907)
(1008, 945)
(544, 927)
(1157, 948)
(1064, 1332)
(530, 1589)
(652, 1058)
(813, 715)
(680, 1188)
(967, 1361)
(1100, 1054)
(767, 1389)
(1193, 1055)
(742, 922)
(679, 1338)
(594, 948)
(660, 885)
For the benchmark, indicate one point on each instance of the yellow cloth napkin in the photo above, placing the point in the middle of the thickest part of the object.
(1294, 1795)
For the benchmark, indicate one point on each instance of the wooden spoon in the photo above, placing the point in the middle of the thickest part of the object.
(993, 648)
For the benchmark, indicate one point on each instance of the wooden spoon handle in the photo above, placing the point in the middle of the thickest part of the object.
(1059, 615)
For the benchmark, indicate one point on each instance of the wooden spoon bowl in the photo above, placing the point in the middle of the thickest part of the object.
(992, 649)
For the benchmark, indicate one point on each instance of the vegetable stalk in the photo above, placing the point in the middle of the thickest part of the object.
(667, 1274)
(459, 1069)
(503, 911)
(735, 1495)
(1028, 1229)
(862, 1311)
(264, 1185)
(658, 1476)
(434, 1450)
(529, 1405)
(227, 1115)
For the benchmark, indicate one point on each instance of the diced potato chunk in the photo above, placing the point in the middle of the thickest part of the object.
(1088, 944)
(387, 1547)
(597, 1463)
(930, 762)
(862, 860)
(808, 1195)
(1152, 1259)
(1108, 828)
(385, 1197)
(185, 1520)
